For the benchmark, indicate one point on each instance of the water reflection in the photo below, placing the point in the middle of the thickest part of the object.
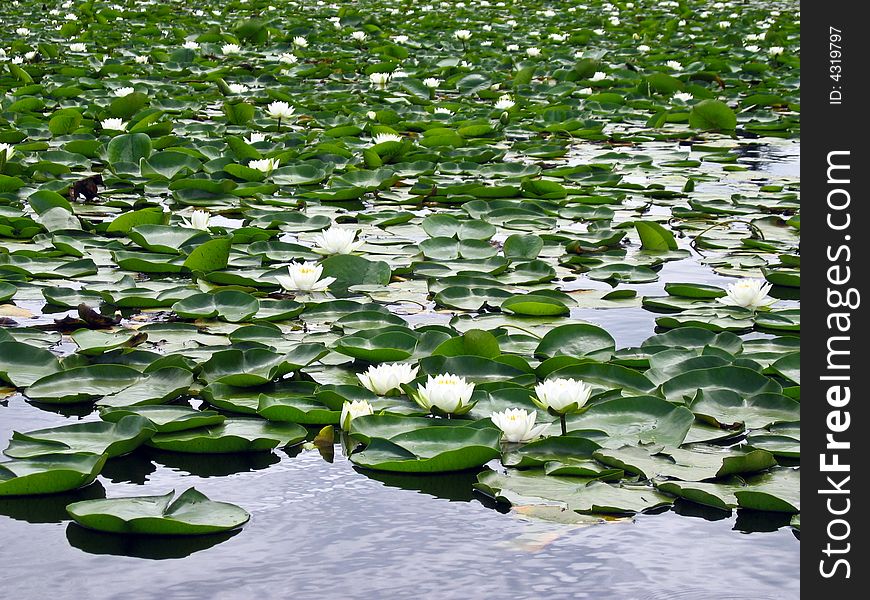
(153, 547)
(131, 468)
(50, 508)
(214, 465)
(756, 521)
(455, 486)
(708, 513)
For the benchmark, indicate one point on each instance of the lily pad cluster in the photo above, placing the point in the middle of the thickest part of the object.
(212, 231)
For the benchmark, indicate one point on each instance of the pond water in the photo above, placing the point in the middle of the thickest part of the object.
(329, 528)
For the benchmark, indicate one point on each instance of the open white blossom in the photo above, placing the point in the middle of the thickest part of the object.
(300, 42)
(675, 65)
(190, 45)
(359, 35)
(288, 58)
(432, 82)
(505, 102)
(379, 80)
(748, 293)
(384, 378)
(198, 220)
(238, 88)
(124, 91)
(518, 425)
(380, 138)
(598, 76)
(336, 240)
(113, 124)
(533, 51)
(683, 96)
(78, 47)
(561, 395)
(231, 49)
(280, 110)
(463, 35)
(9, 149)
(266, 165)
(304, 277)
(254, 137)
(446, 393)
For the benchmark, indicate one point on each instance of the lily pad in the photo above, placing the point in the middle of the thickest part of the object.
(192, 513)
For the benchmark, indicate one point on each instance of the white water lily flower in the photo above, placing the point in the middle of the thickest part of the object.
(463, 35)
(598, 76)
(22, 31)
(598, 31)
(124, 91)
(78, 47)
(533, 52)
(381, 138)
(385, 378)
(17, 60)
(446, 393)
(775, 50)
(266, 165)
(683, 96)
(190, 45)
(400, 39)
(141, 60)
(614, 21)
(748, 293)
(359, 35)
(9, 149)
(558, 37)
(113, 124)
(562, 396)
(352, 410)
(512, 47)
(288, 58)
(304, 277)
(300, 41)
(751, 48)
(371, 115)
(676, 66)
(643, 48)
(440, 110)
(379, 79)
(198, 220)
(254, 137)
(231, 48)
(432, 82)
(518, 425)
(336, 240)
(724, 24)
(280, 110)
(71, 17)
(238, 88)
(505, 102)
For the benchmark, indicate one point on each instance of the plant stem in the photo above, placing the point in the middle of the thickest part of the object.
(564, 424)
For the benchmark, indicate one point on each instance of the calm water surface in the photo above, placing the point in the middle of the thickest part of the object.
(322, 529)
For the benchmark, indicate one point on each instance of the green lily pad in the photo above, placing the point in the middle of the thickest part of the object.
(192, 513)
(430, 450)
(49, 474)
(111, 439)
(233, 435)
